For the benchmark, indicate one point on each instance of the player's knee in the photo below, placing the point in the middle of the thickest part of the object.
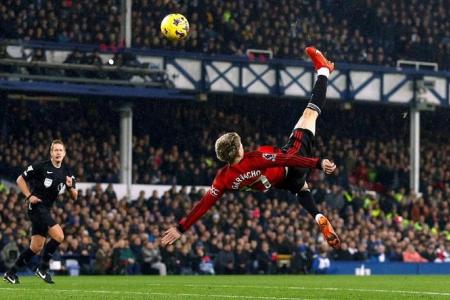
(310, 114)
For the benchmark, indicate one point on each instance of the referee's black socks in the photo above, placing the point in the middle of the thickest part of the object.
(23, 260)
(47, 254)
(319, 94)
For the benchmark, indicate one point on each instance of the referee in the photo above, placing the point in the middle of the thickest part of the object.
(41, 183)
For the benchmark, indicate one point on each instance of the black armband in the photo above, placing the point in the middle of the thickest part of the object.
(180, 228)
(29, 196)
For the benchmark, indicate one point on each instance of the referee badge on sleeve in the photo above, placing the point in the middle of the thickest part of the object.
(48, 182)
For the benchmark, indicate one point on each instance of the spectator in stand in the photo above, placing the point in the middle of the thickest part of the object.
(321, 262)
(380, 256)
(152, 259)
(10, 252)
(224, 263)
(264, 261)
(411, 255)
(103, 258)
(369, 32)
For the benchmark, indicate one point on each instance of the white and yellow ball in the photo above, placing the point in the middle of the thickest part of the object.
(175, 27)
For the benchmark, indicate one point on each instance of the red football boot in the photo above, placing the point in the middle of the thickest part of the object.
(318, 59)
(328, 232)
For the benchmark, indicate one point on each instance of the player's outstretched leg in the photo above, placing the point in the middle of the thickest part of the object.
(324, 68)
(305, 198)
(308, 121)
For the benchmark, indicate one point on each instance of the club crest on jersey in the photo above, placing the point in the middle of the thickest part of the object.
(48, 182)
(269, 156)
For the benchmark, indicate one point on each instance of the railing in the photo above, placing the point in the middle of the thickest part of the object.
(198, 72)
(61, 76)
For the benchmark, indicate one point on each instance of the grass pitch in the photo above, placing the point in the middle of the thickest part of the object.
(231, 287)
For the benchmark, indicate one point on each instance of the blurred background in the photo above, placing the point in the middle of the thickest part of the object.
(140, 114)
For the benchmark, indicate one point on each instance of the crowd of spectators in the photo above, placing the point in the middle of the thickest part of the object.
(367, 199)
(244, 234)
(28, 128)
(369, 32)
(181, 150)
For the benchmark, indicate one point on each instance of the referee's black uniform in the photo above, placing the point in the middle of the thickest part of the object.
(45, 182)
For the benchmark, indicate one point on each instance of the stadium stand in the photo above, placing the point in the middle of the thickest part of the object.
(368, 198)
(246, 234)
(358, 32)
(378, 162)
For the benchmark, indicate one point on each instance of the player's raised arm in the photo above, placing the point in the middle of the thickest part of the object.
(207, 201)
(267, 160)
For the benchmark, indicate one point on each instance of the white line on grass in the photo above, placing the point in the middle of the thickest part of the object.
(159, 294)
(315, 288)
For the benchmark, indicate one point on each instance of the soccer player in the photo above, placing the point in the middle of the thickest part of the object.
(286, 168)
(41, 184)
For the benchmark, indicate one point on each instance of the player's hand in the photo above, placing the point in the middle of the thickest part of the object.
(69, 181)
(170, 236)
(33, 200)
(328, 166)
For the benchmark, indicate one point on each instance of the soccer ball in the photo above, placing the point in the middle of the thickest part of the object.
(175, 27)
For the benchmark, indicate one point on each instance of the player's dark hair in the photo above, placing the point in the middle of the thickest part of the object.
(57, 141)
(227, 147)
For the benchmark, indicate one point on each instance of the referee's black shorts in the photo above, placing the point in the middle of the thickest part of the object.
(41, 219)
(301, 142)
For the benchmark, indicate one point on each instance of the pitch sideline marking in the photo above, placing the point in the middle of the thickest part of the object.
(316, 288)
(161, 294)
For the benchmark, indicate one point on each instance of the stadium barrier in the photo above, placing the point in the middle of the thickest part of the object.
(389, 268)
(121, 189)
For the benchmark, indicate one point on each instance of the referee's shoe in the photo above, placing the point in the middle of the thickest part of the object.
(44, 275)
(11, 278)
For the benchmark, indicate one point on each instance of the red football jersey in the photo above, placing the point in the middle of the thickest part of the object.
(256, 171)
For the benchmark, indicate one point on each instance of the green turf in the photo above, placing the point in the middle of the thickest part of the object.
(231, 287)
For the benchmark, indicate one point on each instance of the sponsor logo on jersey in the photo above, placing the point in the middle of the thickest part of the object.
(61, 187)
(48, 172)
(48, 182)
(214, 192)
(238, 180)
(269, 156)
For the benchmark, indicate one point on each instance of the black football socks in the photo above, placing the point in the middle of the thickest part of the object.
(23, 260)
(319, 94)
(49, 250)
